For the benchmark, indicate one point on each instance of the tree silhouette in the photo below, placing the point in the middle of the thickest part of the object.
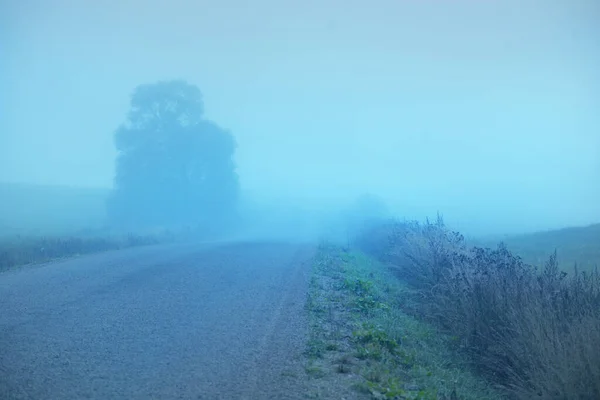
(173, 167)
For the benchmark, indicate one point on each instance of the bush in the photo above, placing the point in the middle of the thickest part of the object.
(535, 333)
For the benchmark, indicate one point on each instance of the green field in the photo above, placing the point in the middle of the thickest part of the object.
(576, 245)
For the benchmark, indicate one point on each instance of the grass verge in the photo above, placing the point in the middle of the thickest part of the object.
(363, 346)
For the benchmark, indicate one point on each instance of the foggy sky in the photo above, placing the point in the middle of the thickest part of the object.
(485, 110)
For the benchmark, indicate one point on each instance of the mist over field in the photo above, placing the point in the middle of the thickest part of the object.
(484, 111)
(294, 199)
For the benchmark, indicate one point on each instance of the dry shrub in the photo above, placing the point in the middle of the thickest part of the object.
(535, 333)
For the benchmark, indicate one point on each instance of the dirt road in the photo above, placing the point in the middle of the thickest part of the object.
(163, 322)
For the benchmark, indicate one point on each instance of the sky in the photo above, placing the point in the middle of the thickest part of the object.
(484, 110)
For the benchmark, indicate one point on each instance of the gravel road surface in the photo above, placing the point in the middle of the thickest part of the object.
(183, 321)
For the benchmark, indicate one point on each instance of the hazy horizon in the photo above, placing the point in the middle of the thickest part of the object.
(484, 111)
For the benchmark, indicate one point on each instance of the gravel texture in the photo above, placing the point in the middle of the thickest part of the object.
(186, 321)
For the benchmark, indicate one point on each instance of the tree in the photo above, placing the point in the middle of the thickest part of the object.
(367, 211)
(173, 167)
(370, 207)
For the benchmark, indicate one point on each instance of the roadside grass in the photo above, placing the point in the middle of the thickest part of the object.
(19, 251)
(364, 346)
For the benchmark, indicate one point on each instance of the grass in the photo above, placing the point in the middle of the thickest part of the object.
(361, 337)
(18, 251)
(532, 331)
(40, 223)
(574, 246)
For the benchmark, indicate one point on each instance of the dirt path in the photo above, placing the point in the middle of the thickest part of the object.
(170, 322)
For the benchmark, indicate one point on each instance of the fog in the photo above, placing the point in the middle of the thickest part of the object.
(486, 111)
